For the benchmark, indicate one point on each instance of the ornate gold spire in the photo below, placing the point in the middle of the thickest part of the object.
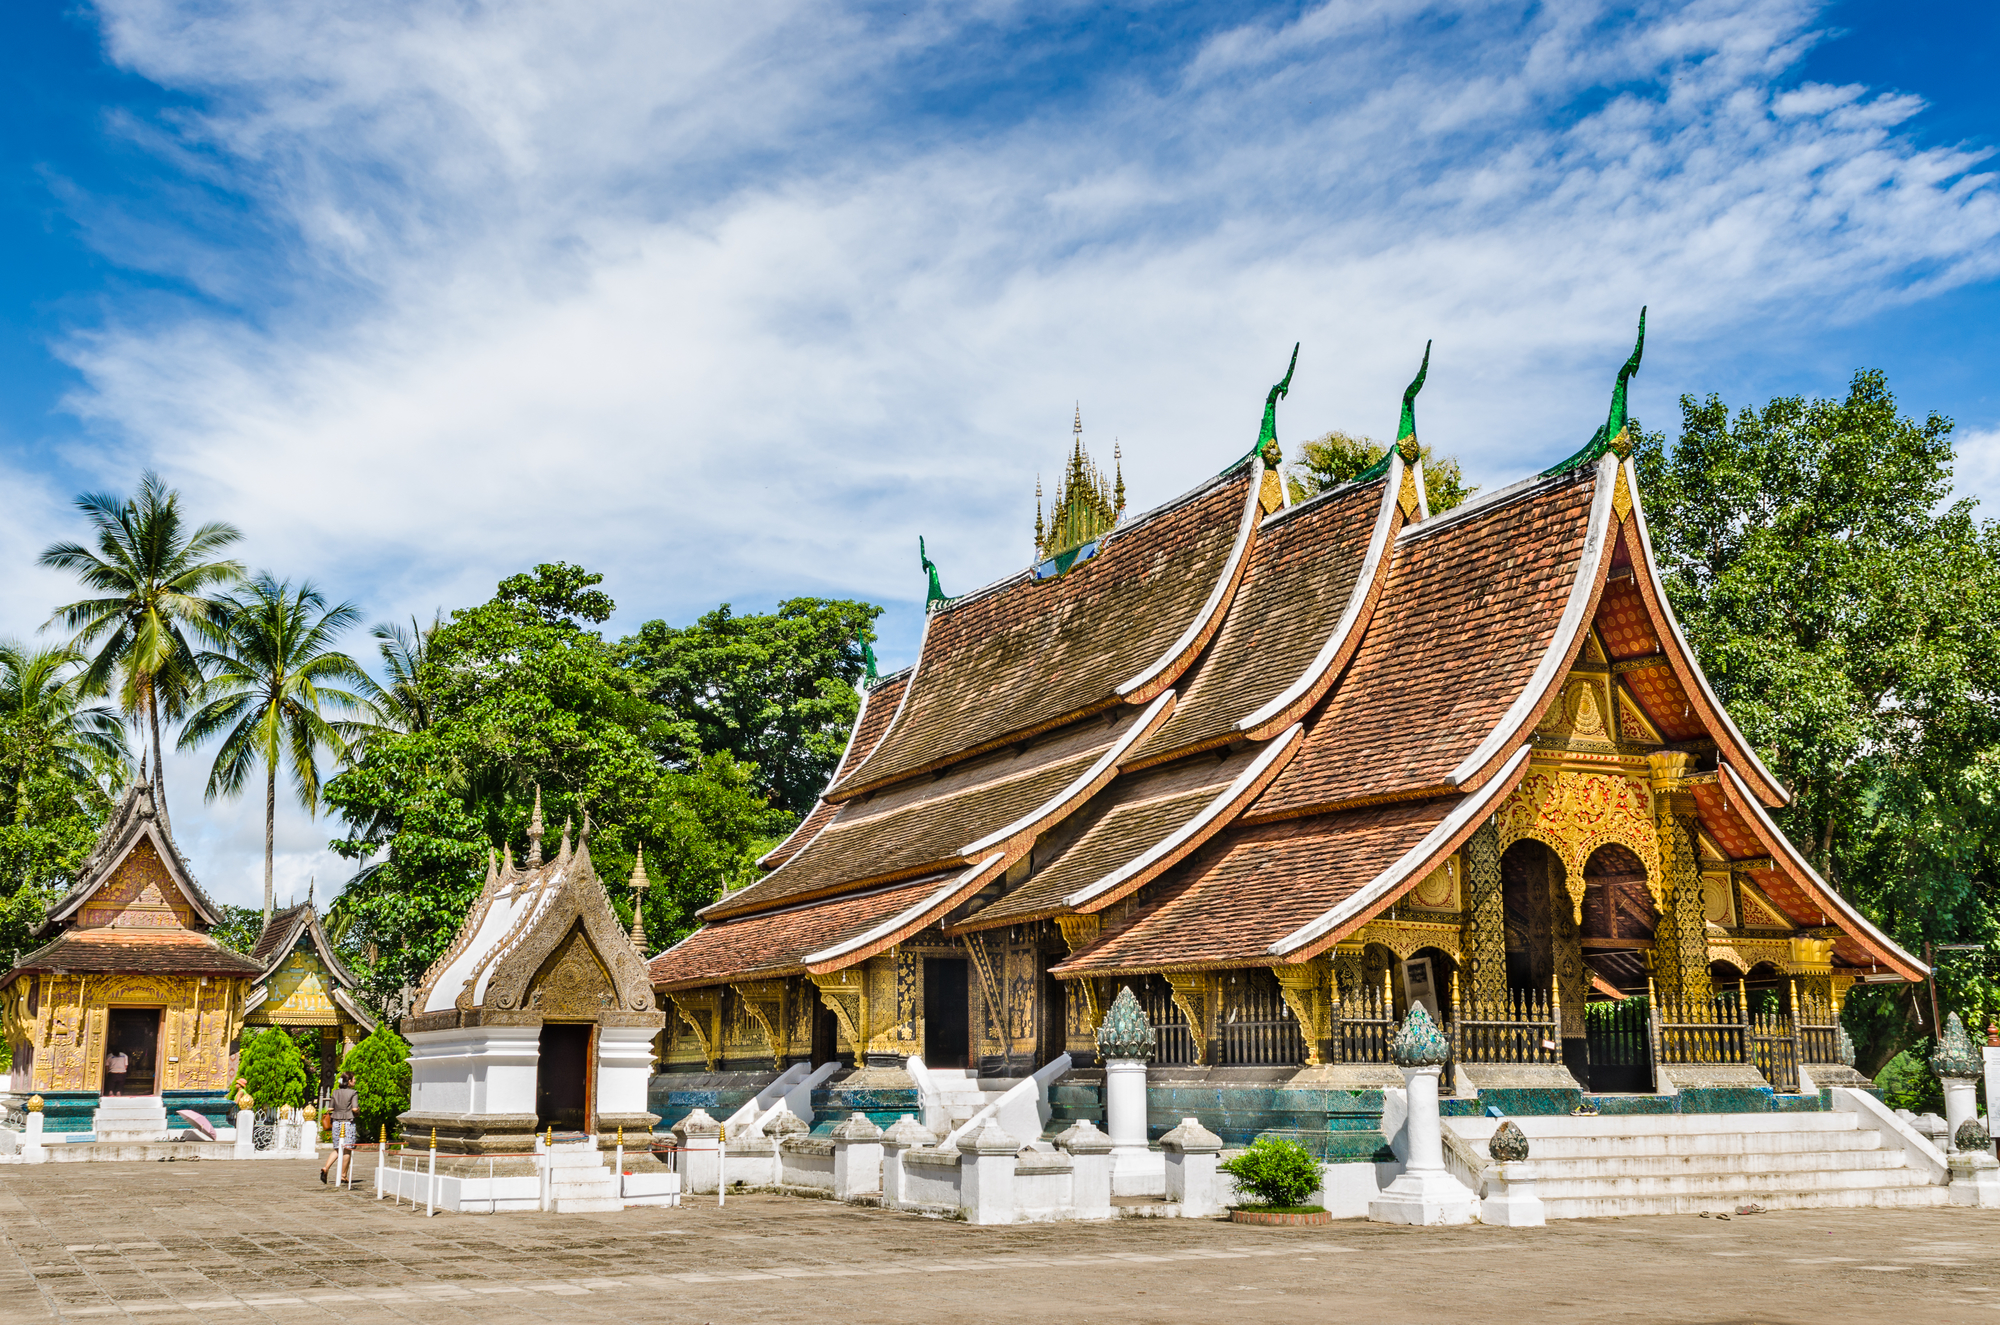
(535, 831)
(1087, 504)
(639, 885)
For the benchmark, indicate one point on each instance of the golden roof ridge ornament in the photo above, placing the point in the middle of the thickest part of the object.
(638, 884)
(1087, 504)
(535, 831)
(1615, 434)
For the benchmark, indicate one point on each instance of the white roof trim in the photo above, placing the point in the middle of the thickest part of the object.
(901, 918)
(1666, 610)
(1378, 543)
(1832, 896)
(1215, 594)
(1468, 809)
(1172, 841)
(1147, 720)
(902, 704)
(1580, 591)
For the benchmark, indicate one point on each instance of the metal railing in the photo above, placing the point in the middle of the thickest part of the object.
(1517, 1027)
(1258, 1029)
(1364, 1024)
(1172, 1044)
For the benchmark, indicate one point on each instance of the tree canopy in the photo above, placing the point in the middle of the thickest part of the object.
(1338, 457)
(1849, 618)
(520, 696)
(773, 691)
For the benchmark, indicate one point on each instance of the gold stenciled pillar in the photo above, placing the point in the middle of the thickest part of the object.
(1566, 947)
(1485, 919)
(1680, 945)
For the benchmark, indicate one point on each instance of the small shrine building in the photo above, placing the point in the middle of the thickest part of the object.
(303, 985)
(538, 1016)
(129, 972)
(1285, 767)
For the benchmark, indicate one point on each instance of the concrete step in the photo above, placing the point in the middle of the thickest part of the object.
(1789, 1161)
(1772, 1199)
(1727, 1184)
(1681, 1124)
(577, 1205)
(1705, 1143)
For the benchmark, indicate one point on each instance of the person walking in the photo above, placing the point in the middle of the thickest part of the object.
(345, 1097)
(115, 1068)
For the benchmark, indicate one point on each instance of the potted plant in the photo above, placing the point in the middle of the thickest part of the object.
(1282, 1175)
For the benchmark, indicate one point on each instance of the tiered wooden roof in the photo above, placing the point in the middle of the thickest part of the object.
(1237, 733)
(289, 930)
(135, 907)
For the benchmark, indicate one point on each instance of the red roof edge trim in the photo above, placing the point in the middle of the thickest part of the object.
(1686, 668)
(1314, 937)
(902, 707)
(1167, 669)
(1319, 675)
(1821, 891)
(1175, 846)
(905, 923)
(1563, 645)
(1016, 837)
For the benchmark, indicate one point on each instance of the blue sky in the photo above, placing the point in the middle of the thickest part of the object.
(733, 302)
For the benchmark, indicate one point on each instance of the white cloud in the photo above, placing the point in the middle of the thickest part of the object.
(724, 302)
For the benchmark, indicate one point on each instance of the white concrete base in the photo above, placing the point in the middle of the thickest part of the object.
(1510, 1199)
(1975, 1180)
(1138, 1173)
(131, 1118)
(1425, 1197)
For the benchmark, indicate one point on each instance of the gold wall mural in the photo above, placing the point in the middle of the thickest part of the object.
(60, 1020)
(139, 895)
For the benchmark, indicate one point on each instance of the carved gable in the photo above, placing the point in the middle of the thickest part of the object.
(140, 894)
(572, 982)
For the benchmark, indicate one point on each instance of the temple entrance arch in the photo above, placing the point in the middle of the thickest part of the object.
(562, 1076)
(132, 1037)
(1529, 873)
(1619, 920)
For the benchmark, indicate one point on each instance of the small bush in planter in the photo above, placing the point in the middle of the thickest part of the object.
(1279, 1173)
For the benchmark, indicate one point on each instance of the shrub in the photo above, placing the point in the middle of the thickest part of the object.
(1276, 1171)
(1906, 1082)
(275, 1071)
(381, 1068)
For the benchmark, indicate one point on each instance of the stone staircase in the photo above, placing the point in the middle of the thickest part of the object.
(131, 1118)
(1687, 1163)
(959, 1092)
(580, 1179)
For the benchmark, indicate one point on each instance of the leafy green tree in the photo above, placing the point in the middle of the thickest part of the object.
(1907, 1082)
(1337, 457)
(381, 1068)
(775, 691)
(272, 672)
(62, 762)
(240, 928)
(154, 582)
(274, 1070)
(521, 695)
(1849, 617)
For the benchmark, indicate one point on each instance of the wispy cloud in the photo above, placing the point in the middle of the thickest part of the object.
(737, 300)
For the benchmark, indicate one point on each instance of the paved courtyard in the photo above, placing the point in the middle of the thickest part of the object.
(227, 1242)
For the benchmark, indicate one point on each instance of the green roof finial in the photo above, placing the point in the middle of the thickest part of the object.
(1268, 434)
(868, 659)
(1614, 424)
(937, 594)
(1406, 427)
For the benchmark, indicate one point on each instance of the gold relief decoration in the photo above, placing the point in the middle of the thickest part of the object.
(1744, 953)
(846, 996)
(1191, 997)
(1718, 898)
(1438, 890)
(1634, 726)
(1621, 497)
(1811, 953)
(764, 1002)
(1681, 942)
(1485, 934)
(1574, 813)
(1304, 988)
(140, 894)
(572, 982)
(983, 964)
(1404, 937)
(1077, 931)
(1758, 911)
(701, 1010)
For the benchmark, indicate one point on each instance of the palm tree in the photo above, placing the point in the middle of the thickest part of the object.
(154, 581)
(402, 705)
(272, 670)
(48, 730)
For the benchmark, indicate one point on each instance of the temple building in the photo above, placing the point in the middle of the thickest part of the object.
(303, 985)
(537, 1017)
(1285, 768)
(129, 979)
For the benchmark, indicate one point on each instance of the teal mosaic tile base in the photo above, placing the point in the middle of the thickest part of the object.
(69, 1110)
(213, 1105)
(883, 1107)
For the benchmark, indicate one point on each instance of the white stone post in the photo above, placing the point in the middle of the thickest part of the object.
(857, 1158)
(986, 1176)
(1124, 1044)
(905, 1134)
(308, 1134)
(1957, 1067)
(1514, 1203)
(1191, 1156)
(246, 1134)
(1991, 1052)
(1423, 1193)
(1090, 1169)
(32, 1149)
(700, 1138)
